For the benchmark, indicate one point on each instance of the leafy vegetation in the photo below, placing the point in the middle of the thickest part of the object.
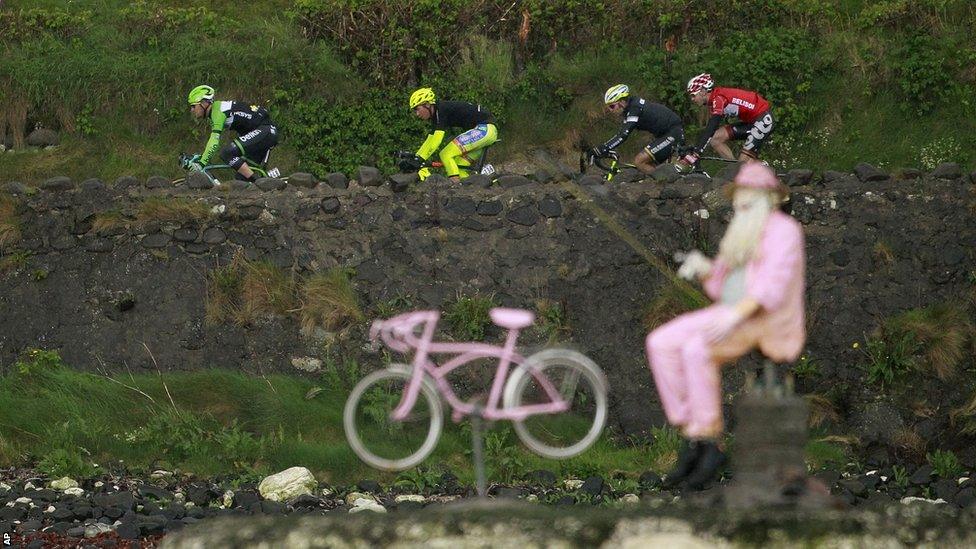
(467, 316)
(336, 73)
(945, 464)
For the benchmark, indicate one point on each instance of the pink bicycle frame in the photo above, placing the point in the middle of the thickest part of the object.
(400, 334)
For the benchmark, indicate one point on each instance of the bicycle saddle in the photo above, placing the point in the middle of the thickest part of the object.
(513, 319)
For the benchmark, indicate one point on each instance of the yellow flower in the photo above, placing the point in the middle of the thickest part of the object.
(855, 345)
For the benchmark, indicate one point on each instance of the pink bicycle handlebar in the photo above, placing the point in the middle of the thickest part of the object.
(399, 332)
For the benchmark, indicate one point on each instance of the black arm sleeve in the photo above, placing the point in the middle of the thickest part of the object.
(708, 132)
(621, 136)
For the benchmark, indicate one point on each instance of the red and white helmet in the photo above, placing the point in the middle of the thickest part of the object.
(701, 82)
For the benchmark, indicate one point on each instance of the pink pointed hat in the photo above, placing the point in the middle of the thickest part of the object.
(756, 175)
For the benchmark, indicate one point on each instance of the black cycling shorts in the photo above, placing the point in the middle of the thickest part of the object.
(254, 147)
(754, 134)
(661, 148)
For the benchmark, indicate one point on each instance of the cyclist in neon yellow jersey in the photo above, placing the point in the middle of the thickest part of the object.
(445, 115)
(256, 133)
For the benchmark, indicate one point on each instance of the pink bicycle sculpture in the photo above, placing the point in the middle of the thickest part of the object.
(557, 398)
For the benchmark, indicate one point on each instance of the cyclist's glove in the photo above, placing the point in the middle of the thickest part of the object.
(409, 162)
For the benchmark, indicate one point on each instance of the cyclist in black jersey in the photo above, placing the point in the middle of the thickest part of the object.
(256, 133)
(445, 115)
(661, 122)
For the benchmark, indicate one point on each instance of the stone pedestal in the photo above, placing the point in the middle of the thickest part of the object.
(769, 443)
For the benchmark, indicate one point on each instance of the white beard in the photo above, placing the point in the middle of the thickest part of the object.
(741, 239)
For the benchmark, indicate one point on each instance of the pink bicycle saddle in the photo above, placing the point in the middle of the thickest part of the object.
(513, 319)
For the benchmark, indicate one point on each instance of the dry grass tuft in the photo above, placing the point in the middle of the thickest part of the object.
(171, 210)
(265, 289)
(329, 300)
(942, 333)
(9, 221)
(883, 254)
(108, 221)
(964, 417)
(244, 290)
(911, 443)
(670, 302)
(822, 410)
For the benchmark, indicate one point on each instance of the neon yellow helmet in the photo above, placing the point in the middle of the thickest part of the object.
(423, 96)
(199, 94)
(616, 93)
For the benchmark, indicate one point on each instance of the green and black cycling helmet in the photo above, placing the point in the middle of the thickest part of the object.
(616, 93)
(423, 96)
(200, 93)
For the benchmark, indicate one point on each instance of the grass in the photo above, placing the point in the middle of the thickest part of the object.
(945, 464)
(153, 56)
(329, 300)
(964, 417)
(822, 410)
(467, 316)
(14, 261)
(941, 333)
(171, 210)
(671, 301)
(243, 291)
(217, 422)
(551, 322)
(9, 221)
(108, 221)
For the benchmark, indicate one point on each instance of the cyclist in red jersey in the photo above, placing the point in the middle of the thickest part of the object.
(752, 110)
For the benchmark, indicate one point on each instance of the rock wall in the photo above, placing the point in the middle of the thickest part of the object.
(103, 295)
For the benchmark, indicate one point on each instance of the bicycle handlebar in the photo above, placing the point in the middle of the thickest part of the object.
(399, 332)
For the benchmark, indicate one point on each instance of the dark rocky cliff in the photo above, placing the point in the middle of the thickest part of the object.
(103, 293)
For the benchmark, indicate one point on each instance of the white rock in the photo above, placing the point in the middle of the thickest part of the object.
(4, 486)
(10, 504)
(307, 363)
(99, 484)
(410, 497)
(363, 504)
(95, 529)
(573, 483)
(228, 499)
(327, 492)
(912, 499)
(702, 213)
(219, 209)
(532, 498)
(50, 509)
(30, 486)
(74, 492)
(630, 499)
(963, 479)
(288, 484)
(351, 497)
(64, 483)
(22, 500)
(190, 504)
(160, 474)
(266, 218)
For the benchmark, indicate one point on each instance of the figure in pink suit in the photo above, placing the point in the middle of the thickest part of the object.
(757, 285)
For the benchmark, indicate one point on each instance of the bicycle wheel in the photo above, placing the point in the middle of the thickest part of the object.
(580, 382)
(379, 440)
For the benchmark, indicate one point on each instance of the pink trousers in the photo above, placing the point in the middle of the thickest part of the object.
(686, 368)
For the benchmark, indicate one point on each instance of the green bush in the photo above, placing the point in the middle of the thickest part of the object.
(36, 361)
(468, 317)
(922, 72)
(150, 21)
(945, 464)
(24, 24)
(889, 358)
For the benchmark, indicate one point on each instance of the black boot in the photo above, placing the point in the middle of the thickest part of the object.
(710, 461)
(688, 457)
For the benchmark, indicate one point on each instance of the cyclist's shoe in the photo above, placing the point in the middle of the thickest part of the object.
(688, 457)
(710, 462)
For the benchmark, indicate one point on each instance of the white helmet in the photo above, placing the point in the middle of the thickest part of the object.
(701, 82)
(616, 93)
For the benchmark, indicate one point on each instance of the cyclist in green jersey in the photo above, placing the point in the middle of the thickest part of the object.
(444, 115)
(256, 133)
